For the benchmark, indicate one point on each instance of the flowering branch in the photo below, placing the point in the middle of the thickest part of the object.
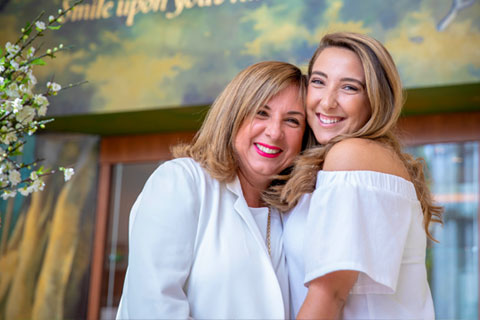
(21, 110)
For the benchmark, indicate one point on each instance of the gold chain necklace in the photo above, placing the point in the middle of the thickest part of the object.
(268, 233)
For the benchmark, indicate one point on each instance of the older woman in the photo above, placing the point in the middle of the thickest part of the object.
(202, 243)
(358, 242)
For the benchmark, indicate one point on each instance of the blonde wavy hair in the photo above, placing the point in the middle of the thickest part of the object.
(251, 89)
(385, 93)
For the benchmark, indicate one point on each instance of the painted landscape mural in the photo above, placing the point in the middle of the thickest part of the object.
(46, 239)
(145, 54)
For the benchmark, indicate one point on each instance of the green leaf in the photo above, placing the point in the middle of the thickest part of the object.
(38, 62)
(54, 27)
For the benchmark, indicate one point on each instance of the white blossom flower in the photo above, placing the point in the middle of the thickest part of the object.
(8, 194)
(42, 103)
(37, 185)
(24, 68)
(19, 112)
(7, 106)
(12, 90)
(17, 105)
(14, 177)
(40, 25)
(54, 87)
(12, 48)
(8, 166)
(26, 115)
(42, 111)
(25, 191)
(32, 80)
(68, 173)
(24, 88)
(3, 180)
(40, 100)
(9, 138)
(30, 52)
(33, 175)
(14, 64)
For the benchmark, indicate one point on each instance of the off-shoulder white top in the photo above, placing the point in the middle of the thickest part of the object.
(366, 221)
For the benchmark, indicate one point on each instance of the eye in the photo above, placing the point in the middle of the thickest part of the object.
(294, 122)
(317, 81)
(350, 87)
(262, 113)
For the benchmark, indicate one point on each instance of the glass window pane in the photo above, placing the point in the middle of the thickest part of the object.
(453, 263)
(127, 183)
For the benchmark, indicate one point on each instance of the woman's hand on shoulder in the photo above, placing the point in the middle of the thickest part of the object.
(366, 155)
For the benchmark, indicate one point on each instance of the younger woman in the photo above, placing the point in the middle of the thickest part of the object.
(358, 242)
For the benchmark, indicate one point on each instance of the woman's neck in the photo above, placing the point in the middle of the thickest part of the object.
(252, 191)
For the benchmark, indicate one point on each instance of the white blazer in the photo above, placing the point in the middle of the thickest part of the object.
(196, 252)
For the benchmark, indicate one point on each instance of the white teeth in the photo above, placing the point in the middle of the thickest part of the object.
(328, 121)
(267, 150)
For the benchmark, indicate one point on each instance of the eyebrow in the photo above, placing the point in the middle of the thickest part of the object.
(320, 73)
(289, 112)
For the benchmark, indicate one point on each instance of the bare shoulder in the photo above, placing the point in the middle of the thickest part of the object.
(364, 154)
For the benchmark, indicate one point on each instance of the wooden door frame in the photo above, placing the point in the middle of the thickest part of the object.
(440, 128)
(113, 150)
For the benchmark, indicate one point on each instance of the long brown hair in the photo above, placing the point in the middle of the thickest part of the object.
(385, 94)
(251, 89)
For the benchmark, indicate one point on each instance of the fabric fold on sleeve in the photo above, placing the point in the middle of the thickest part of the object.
(359, 220)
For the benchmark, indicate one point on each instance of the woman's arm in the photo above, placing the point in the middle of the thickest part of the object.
(327, 295)
(163, 226)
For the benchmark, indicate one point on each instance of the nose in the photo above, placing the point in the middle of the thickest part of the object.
(329, 99)
(274, 129)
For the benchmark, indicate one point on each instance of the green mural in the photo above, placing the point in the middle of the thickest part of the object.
(146, 54)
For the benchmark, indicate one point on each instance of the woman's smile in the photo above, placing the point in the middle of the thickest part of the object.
(266, 150)
(327, 120)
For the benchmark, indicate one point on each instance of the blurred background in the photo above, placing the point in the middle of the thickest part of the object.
(153, 68)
